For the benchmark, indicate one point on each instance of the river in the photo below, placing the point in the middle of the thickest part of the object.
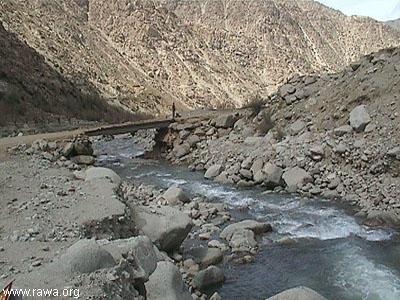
(316, 242)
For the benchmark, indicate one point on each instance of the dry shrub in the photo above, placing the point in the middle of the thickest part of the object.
(255, 105)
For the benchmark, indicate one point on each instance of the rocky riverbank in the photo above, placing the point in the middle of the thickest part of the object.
(335, 136)
(72, 227)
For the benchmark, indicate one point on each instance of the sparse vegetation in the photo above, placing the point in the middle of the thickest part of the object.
(19, 107)
(255, 104)
(11, 106)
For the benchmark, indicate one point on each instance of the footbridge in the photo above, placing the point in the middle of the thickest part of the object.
(129, 127)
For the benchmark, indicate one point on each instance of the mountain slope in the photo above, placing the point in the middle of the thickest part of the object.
(394, 23)
(144, 55)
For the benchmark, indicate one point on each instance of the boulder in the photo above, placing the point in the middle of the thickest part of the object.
(215, 296)
(298, 293)
(175, 195)
(273, 175)
(257, 165)
(40, 145)
(342, 130)
(167, 227)
(246, 174)
(225, 121)
(85, 256)
(297, 127)
(166, 283)
(286, 90)
(317, 150)
(359, 118)
(205, 256)
(296, 177)
(193, 140)
(84, 160)
(141, 248)
(242, 240)
(207, 278)
(68, 149)
(181, 150)
(213, 171)
(101, 173)
(101, 207)
(310, 80)
(83, 147)
(252, 225)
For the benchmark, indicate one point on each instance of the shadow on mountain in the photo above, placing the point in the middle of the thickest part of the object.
(31, 90)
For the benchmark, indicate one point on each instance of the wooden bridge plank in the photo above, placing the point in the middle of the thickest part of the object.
(129, 127)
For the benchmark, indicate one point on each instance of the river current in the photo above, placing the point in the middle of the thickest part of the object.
(316, 243)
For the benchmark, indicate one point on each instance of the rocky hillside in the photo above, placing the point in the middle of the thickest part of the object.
(335, 136)
(395, 24)
(144, 55)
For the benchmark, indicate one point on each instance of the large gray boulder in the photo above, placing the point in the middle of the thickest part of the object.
(175, 195)
(298, 293)
(225, 121)
(85, 256)
(359, 118)
(101, 173)
(242, 240)
(181, 150)
(213, 171)
(205, 256)
(167, 227)
(208, 278)
(297, 127)
(141, 248)
(252, 225)
(273, 175)
(100, 206)
(296, 177)
(166, 283)
(286, 90)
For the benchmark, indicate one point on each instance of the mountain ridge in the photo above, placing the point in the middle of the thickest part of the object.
(144, 55)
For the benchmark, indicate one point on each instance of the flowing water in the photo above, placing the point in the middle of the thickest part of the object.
(316, 243)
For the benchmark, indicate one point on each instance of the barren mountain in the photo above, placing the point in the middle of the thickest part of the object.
(143, 55)
(394, 23)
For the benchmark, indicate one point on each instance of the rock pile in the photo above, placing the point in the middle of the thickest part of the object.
(70, 154)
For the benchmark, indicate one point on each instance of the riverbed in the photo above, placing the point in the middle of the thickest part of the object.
(315, 242)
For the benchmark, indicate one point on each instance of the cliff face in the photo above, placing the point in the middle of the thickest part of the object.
(144, 55)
